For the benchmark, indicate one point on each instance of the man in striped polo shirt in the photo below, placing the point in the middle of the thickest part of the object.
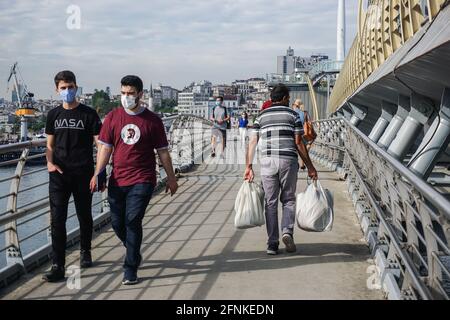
(280, 130)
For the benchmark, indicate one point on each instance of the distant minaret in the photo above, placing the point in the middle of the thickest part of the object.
(150, 99)
(340, 53)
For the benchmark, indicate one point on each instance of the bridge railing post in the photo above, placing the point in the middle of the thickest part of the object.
(12, 240)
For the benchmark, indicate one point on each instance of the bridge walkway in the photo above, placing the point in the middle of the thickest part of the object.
(192, 250)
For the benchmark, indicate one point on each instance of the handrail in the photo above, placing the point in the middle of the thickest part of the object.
(5, 148)
(438, 200)
(399, 213)
(19, 146)
(424, 292)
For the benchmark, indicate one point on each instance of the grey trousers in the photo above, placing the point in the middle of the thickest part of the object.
(279, 176)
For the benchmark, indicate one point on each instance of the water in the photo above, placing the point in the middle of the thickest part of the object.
(30, 227)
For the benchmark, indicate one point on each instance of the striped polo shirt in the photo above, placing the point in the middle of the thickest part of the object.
(276, 127)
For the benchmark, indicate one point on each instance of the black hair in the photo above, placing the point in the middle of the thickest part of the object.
(66, 76)
(133, 81)
(279, 92)
(220, 97)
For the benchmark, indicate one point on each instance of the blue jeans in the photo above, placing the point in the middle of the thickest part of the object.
(128, 205)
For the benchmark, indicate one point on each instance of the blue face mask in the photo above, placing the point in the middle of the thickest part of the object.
(68, 95)
(218, 103)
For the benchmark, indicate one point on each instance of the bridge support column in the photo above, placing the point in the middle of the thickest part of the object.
(387, 112)
(421, 111)
(435, 141)
(345, 112)
(404, 106)
(359, 113)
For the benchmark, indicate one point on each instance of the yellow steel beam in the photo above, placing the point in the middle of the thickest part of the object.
(382, 29)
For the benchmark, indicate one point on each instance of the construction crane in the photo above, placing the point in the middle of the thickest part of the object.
(25, 100)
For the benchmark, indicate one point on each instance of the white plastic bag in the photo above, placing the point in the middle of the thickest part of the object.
(314, 209)
(249, 206)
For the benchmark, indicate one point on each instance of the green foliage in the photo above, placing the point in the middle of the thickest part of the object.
(167, 106)
(37, 124)
(102, 103)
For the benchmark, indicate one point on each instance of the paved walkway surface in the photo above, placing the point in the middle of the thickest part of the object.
(191, 250)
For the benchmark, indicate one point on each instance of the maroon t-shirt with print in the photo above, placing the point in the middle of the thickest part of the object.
(135, 137)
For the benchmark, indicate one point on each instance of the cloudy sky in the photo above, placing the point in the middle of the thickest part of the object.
(173, 42)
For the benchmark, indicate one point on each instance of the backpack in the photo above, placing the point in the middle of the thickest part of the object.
(309, 133)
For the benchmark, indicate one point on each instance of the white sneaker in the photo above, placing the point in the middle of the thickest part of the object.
(130, 282)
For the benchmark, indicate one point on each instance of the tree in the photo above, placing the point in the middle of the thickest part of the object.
(38, 123)
(167, 106)
(102, 103)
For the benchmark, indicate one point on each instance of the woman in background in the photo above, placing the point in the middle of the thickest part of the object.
(299, 107)
(243, 124)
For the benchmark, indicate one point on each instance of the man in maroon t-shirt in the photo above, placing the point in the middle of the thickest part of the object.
(134, 133)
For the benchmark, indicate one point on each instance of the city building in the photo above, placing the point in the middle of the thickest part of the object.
(290, 64)
(286, 63)
(6, 118)
(203, 88)
(223, 90)
(79, 92)
(242, 87)
(193, 103)
(157, 98)
(258, 85)
(168, 93)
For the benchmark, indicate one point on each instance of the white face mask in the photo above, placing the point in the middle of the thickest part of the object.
(128, 102)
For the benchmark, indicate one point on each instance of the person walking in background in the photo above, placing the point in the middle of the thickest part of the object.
(220, 118)
(299, 108)
(243, 124)
(280, 130)
(134, 133)
(71, 130)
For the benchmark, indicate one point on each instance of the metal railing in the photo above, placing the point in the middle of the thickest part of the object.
(188, 136)
(324, 67)
(296, 78)
(406, 221)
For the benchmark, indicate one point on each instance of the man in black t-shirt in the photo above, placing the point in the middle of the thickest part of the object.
(71, 131)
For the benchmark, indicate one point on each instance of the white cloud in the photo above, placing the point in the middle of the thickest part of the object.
(168, 41)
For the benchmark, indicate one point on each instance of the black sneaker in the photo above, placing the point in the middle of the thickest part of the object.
(272, 250)
(85, 259)
(288, 241)
(55, 274)
(213, 154)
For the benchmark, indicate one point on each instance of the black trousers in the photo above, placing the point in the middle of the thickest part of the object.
(61, 186)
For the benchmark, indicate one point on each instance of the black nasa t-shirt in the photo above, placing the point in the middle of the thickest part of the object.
(74, 132)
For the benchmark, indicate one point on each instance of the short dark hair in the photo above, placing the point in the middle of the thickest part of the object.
(279, 92)
(66, 76)
(220, 97)
(133, 81)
